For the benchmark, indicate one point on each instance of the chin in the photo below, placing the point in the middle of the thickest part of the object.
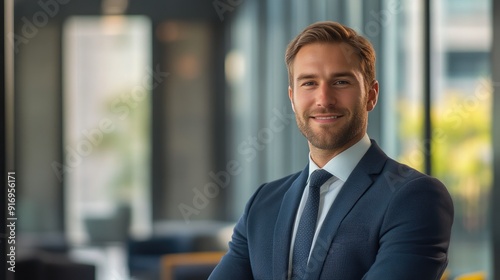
(325, 144)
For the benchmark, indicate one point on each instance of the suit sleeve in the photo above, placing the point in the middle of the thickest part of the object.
(415, 233)
(236, 263)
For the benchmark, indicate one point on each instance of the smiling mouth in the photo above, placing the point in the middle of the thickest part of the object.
(327, 118)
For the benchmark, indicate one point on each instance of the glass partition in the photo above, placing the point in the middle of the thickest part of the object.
(108, 79)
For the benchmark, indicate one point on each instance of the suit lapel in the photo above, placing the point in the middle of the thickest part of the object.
(284, 225)
(355, 186)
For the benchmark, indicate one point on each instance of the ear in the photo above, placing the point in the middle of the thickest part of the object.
(290, 95)
(372, 97)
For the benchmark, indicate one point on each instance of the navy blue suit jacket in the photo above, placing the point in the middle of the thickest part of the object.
(388, 222)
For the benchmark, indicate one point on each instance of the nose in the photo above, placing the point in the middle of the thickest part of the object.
(325, 97)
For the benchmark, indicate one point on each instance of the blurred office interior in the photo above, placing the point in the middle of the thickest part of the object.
(141, 128)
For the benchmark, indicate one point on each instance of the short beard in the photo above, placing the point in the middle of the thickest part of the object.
(329, 141)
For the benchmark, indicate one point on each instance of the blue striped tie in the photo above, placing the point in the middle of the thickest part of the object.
(307, 224)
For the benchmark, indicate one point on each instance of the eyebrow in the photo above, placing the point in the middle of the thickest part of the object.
(306, 76)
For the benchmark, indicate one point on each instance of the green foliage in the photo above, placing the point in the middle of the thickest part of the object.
(461, 154)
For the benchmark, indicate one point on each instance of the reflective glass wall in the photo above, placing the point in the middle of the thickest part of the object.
(461, 112)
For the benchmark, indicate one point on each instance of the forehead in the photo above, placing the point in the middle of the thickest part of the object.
(326, 56)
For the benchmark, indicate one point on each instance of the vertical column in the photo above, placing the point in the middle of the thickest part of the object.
(427, 87)
(495, 193)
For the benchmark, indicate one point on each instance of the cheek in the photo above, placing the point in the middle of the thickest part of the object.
(301, 107)
(303, 100)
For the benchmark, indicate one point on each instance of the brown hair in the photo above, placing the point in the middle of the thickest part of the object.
(333, 32)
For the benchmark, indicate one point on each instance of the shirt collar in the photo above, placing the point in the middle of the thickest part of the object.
(344, 163)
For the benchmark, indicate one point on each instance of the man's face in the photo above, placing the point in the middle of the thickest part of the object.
(330, 97)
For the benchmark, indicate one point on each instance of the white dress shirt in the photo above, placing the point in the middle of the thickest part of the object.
(341, 166)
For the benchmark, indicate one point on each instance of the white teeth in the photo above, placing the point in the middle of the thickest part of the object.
(326, 118)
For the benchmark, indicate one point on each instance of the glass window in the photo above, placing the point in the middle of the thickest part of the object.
(400, 72)
(460, 112)
(107, 83)
(461, 122)
(466, 64)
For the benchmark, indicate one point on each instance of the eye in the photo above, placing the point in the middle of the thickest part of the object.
(308, 83)
(342, 82)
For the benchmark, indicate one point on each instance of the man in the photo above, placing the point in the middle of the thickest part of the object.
(375, 219)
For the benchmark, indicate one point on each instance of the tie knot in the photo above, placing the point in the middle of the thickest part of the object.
(318, 178)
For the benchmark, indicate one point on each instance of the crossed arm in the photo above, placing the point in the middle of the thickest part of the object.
(415, 233)
(412, 241)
